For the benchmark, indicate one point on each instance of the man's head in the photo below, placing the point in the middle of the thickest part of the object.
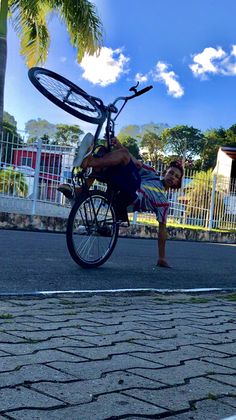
(173, 175)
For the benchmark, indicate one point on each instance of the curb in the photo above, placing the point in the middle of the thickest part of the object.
(51, 224)
(120, 292)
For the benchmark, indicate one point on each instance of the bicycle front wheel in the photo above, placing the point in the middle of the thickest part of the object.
(92, 230)
(67, 95)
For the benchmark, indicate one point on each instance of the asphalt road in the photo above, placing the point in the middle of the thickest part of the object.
(35, 261)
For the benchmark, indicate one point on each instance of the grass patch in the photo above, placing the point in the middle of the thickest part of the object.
(158, 298)
(211, 396)
(67, 302)
(199, 300)
(149, 221)
(232, 297)
(6, 316)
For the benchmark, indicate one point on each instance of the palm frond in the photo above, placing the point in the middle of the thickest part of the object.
(83, 24)
(13, 182)
(35, 42)
(29, 20)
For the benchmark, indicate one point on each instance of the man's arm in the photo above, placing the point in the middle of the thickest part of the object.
(117, 145)
(137, 162)
(162, 235)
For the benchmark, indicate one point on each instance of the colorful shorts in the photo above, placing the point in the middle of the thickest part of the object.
(151, 197)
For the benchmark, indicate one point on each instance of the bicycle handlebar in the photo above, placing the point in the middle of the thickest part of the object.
(127, 98)
(140, 92)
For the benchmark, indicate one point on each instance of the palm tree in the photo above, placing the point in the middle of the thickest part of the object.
(13, 183)
(29, 18)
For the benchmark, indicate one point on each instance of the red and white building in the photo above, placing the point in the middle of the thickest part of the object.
(55, 167)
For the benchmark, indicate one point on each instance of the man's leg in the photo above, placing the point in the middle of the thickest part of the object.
(121, 202)
(114, 158)
(121, 173)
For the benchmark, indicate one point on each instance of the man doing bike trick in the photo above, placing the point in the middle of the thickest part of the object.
(139, 185)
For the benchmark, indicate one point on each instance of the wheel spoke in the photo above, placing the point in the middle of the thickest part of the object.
(65, 94)
(94, 229)
(68, 96)
(86, 247)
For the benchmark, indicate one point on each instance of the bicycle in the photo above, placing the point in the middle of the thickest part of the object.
(92, 227)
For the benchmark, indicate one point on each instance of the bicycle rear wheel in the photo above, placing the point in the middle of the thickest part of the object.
(92, 230)
(67, 95)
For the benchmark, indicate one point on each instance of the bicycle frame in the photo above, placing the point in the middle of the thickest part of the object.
(95, 212)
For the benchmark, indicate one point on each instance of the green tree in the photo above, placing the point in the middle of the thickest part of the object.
(131, 144)
(10, 139)
(45, 138)
(189, 163)
(138, 131)
(230, 139)
(8, 118)
(183, 141)
(129, 131)
(13, 182)
(213, 139)
(67, 135)
(154, 128)
(30, 20)
(39, 128)
(155, 146)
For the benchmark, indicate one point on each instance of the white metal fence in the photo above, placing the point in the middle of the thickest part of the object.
(203, 201)
(30, 174)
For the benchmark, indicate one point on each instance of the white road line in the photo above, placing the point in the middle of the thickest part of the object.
(111, 291)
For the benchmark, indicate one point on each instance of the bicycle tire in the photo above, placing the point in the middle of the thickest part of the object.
(59, 90)
(80, 226)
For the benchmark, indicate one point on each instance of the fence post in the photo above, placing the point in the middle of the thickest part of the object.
(1, 146)
(36, 175)
(212, 203)
(135, 216)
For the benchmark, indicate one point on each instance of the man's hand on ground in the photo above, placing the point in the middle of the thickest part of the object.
(162, 262)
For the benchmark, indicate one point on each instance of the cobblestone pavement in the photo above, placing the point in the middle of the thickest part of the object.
(147, 356)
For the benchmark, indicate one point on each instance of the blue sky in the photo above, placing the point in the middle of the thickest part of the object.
(186, 49)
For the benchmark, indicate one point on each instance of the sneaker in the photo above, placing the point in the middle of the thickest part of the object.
(123, 224)
(66, 189)
(84, 151)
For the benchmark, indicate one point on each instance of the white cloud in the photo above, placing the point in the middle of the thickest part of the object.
(229, 63)
(233, 53)
(141, 78)
(214, 61)
(169, 78)
(105, 68)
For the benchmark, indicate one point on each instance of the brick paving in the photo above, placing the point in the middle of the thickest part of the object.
(116, 356)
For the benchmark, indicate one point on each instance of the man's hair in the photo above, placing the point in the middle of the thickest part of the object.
(177, 164)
